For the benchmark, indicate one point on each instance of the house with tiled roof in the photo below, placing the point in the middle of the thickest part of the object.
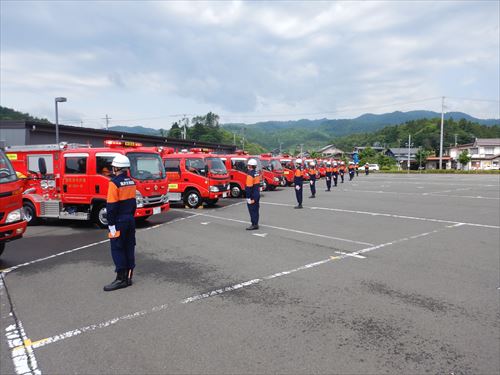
(484, 154)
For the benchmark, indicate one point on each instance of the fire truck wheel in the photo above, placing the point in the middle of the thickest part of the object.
(192, 199)
(99, 215)
(235, 191)
(30, 213)
(264, 185)
(283, 183)
(2, 247)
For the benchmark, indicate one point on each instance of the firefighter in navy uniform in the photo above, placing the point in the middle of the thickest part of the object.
(335, 173)
(342, 171)
(351, 171)
(120, 207)
(298, 180)
(329, 174)
(312, 172)
(252, 192)
(367, 169)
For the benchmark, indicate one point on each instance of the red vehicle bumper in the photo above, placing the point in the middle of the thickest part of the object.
(220, 194)
(12, 231)
(148, 211)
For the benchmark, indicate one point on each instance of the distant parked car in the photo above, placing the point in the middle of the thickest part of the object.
(373, 167)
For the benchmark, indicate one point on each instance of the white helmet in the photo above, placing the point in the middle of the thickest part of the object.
(328, 163)
(252, 162)
(121, 161)
(298, 161)
(312, 164)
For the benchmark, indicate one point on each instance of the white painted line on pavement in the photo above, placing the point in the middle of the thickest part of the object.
(290, 230)
(387, 215)
(350, 254)
(75, 332)
(10, 269)
(260, 234)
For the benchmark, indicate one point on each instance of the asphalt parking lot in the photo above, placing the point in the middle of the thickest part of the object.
(385, 274)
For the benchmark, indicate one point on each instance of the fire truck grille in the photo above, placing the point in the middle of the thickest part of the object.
(222, 187)
(153, 200)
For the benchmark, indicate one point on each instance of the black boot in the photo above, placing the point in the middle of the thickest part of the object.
(253, 227)
(119, 283)
(298, 206)
(130, 273)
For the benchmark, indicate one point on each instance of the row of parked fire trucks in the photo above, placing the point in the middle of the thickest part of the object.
(70, 181)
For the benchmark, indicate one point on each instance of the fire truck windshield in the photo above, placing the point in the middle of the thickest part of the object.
(146, 166)
(276, 165)
(216, 166)
(7, 173)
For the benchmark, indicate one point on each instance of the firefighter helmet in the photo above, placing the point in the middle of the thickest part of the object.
(252, 162)
(298, 161)
(121, 161)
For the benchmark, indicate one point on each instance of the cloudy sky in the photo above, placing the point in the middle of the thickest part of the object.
(149, 63)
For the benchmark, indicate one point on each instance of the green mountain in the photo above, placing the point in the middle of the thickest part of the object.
(316, 133)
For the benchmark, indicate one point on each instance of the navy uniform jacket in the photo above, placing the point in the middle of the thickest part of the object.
(252, 186)
(121, 198)
(298, 177)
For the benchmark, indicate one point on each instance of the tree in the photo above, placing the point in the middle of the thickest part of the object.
(422, 156)
(175, 131)
(464, 158)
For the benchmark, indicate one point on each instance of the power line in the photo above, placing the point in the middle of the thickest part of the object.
(474, 99)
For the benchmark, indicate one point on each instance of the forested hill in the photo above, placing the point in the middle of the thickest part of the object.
(424, 133)
(11, 114)
(315, 133)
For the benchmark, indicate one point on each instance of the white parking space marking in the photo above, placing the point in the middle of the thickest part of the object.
(350, 254)
(10, 269)
(388, 215)
(260, 234)
(289, 230)
(216, 292)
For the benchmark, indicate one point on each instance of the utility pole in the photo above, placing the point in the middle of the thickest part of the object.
(107, 118)
(184, 127)
(409, 145)
(456, 139)
(301, 147)
(280, 146)
(81, 123)
(441, 136)
(234, 138)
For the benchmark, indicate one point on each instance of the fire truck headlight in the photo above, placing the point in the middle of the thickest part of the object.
(16, 215)
(44, 184)
(276, 179)
(214, 189)
(139, 199)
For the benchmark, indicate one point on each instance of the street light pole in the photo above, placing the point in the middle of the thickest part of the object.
(58, 100)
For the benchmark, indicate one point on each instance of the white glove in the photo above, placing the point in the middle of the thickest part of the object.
(112, 230)
(297, 187)
(311, 182)
(249, 201)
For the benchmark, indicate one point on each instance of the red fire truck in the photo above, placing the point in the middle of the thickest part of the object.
(71, 181)
(195, 177)
(236, 164)
(12, 222)
(272, 171)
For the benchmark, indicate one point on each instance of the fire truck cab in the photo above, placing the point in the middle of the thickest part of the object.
(195, 177)
(236, 165)
(71, 182)
(12, 222)
(272, 172)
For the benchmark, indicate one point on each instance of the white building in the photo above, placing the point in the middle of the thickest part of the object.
(484, 154)
(331, 151)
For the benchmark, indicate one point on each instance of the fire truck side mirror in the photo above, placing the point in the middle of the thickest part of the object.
(42, 166)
